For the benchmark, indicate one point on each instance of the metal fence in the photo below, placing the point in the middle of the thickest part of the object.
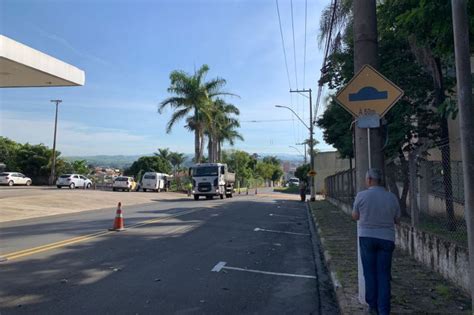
(438, 191)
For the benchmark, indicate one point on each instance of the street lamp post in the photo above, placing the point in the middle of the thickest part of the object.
(53, 165)
(311, 140)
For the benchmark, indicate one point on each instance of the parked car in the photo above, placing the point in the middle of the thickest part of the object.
(293, 182)
(154, 181)
(124, 183)
(73, 181)
(12, 178)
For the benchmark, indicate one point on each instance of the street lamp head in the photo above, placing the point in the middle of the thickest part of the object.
(279, 106)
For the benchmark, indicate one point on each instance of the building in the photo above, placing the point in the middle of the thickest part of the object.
(23, 66)
(327, 164)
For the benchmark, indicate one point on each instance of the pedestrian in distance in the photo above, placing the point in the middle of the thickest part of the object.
(377, 211)
(302, 187)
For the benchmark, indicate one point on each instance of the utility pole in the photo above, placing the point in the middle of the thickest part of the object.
(53, 165)
(365, 52)
(305, 152)
(466, 120)
(311, 140)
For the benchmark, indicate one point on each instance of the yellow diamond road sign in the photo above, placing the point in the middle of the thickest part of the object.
(369, 93)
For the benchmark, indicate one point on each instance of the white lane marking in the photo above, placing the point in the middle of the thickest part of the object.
(285, 216)
(277, 244)
(283, 232)
(219, 266)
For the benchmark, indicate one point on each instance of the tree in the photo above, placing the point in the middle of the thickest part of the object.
(221, 127)
(80, 167)
(8, 152)
(165, 154)
(149, 164)
(176, 159)
(302, 172)
(192, 99)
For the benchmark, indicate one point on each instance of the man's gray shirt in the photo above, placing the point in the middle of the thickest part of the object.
(377, 209)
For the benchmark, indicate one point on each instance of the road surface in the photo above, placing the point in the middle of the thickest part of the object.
(245, 255)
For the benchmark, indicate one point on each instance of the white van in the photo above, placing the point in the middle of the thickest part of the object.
(154, 181)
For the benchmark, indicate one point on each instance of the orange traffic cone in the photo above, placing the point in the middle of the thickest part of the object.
(118, 222)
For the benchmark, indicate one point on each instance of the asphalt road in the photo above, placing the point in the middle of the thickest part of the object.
(260, 249)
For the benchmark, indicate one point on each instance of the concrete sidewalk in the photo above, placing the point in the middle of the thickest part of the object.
(35, 202)
(415, 289)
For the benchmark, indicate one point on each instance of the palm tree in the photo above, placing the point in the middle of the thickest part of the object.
(221, 122)
(192, 99)
(339, 20)
(229, 134)
(165, 154)
(176, 159)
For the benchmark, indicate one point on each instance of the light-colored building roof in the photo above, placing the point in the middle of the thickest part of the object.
(23, 66)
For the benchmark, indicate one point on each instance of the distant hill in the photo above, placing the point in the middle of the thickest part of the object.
(124, 161)
(113, 161)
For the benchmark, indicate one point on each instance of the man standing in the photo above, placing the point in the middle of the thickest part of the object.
(303, 187)
(377, 211)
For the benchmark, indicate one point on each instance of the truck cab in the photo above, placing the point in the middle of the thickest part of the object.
(212, 179)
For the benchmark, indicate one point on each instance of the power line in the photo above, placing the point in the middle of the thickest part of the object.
(265, 120)
(294, 43)
(283, 44)
(304, 56)
(326, 53)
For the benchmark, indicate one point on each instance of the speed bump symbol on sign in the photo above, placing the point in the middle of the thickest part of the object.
(369, 93)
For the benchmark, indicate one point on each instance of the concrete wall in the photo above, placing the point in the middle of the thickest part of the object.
(327, 164)
(444, 257)
(450, 260)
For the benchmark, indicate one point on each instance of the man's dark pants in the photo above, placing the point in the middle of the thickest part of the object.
(376, 255)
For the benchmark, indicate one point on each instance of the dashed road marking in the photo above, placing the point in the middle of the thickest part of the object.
(286, 216)
(222, 265)
(257, 229)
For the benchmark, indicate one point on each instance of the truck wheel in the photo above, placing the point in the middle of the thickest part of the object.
(196, 197)
(222, 196)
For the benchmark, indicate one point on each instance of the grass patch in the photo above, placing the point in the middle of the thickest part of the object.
(287, 190)
(443, 290)
(437, 225)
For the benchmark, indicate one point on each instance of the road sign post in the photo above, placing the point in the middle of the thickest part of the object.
(368, 96)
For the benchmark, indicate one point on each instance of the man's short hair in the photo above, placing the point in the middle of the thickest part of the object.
(374, 174)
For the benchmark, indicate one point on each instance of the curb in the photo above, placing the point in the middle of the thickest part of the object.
(322, 265)
(343, 302)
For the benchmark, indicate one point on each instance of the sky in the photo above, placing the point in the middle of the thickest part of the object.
(128, 49)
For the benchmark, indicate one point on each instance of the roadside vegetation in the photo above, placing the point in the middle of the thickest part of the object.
(35, 160)
(415, 52)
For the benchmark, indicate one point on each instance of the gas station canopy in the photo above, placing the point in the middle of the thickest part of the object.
(23, 66)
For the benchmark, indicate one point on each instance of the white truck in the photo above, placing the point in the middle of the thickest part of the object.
(212, 179)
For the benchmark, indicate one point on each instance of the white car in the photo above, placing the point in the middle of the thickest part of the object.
(124, 183)
(12, 178)
(73, 181)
